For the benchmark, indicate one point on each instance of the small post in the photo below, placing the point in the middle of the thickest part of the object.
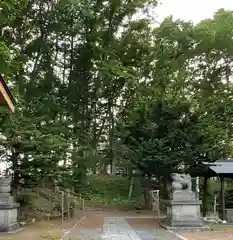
(215, 205)
(131, 188)
(75, 207)
(80, 201)
(68, 205)
(205, 196)
(62, 209)
(83, 204)
(158, 204)
(197, 187)
(223, 212)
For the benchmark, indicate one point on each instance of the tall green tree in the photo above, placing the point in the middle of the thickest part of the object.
(180, 115)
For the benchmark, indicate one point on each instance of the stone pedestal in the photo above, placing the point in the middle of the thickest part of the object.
(8, 217)
(8, 208)
(183, 212)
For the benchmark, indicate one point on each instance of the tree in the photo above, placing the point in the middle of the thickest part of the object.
(179, 113)
(87, 74)
(71, 71)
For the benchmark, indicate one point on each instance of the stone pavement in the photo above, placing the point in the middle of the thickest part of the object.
(117, 228)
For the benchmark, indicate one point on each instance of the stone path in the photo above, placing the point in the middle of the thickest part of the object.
(117, 228)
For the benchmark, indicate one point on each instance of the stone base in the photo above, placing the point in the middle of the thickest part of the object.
(183, 214)
(8, 217)
(196, 227)
(183, 195)
(13, 227)
(197, 223)
(6, 198)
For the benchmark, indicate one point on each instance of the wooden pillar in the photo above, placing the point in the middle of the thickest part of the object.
(222, 199)
(204, 199)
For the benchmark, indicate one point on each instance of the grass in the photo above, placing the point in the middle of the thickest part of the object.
(220, 227)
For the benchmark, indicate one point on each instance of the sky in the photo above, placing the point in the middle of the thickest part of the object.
(194, 10)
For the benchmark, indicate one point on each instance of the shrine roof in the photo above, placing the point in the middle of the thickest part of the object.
(6, 97)
(222, 168)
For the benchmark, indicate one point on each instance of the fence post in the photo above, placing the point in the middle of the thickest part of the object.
(80, 201)
(83, 204)
(68, 205)
(62, 209)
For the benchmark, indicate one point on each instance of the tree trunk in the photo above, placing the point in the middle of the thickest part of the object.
(146, 188)
(111, 137)
(16, 173)
(131, 187)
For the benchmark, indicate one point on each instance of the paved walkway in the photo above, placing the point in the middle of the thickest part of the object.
(117, 228)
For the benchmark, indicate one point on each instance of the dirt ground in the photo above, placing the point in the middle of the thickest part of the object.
(217, 232)
(38, 231)
(92, 220)
(51, 230)
(147, 223)
(212, 235)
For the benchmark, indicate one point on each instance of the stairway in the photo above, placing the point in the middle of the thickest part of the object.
(54, 199)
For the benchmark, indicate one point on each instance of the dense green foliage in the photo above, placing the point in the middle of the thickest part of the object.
(97, 87)
(183, 114)
(113, 191)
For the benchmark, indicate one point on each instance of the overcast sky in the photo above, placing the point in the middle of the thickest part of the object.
(195, 10)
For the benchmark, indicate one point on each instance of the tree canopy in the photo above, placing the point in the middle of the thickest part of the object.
(97, 86)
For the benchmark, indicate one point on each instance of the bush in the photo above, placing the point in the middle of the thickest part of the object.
(109, 186)
(25, 198)
(113, 191)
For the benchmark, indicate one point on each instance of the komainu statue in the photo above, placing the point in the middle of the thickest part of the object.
(181, 182)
